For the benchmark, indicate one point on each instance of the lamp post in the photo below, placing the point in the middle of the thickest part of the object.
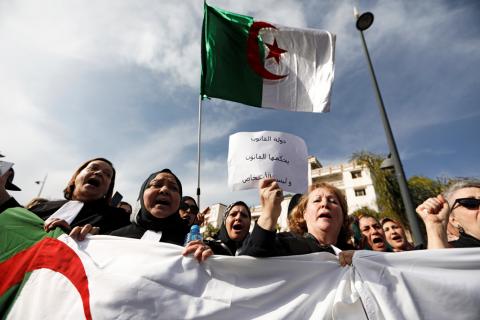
(42, 184)
(364, 21)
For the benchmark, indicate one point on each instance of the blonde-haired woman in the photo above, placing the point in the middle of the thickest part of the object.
(317, 223)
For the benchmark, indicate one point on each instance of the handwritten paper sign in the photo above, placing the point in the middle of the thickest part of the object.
(253, 156)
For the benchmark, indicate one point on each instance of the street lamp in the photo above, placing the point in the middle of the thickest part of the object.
(363, 22)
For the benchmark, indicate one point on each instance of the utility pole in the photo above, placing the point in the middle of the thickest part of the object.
(363, 22)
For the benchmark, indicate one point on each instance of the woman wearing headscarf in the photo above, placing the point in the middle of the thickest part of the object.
(317, 223)
(158, 219)
(233, 231)
(87, 205)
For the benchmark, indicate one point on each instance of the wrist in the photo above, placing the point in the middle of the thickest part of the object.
(437, 227)
(267, 223)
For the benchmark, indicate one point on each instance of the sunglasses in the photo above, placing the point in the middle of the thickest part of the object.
(469, 203)
(185, 207)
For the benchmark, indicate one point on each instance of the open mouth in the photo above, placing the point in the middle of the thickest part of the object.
(377, 240)
(162, 202)
(94, 182)
(397, 238)
(237, 227)
(325, 215)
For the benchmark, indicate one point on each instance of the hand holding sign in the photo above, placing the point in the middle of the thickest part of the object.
(271, 197)
(253, 156)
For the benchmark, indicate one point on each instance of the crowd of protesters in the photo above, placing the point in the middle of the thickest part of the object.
(318, 220)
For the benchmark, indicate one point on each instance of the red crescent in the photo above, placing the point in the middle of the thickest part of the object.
(52, 254)
(253, 52)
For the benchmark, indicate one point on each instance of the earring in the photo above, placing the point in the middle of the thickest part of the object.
(460, 229)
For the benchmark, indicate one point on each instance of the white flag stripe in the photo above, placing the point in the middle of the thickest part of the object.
(40, 297)
(309, 64)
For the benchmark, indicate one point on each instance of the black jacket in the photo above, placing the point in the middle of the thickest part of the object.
(174, 229)
(465, 241)
(96, 213)
(265, 243)
(10, 203)
(226, 247)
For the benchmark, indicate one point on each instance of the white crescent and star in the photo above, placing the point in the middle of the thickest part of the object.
(253, 52)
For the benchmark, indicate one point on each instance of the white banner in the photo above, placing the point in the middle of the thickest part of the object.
(133, 279)
(253, 156)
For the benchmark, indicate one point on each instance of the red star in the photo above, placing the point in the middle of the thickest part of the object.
(274, 51)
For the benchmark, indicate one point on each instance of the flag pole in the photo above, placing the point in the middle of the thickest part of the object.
(199, 146)
(363, 22)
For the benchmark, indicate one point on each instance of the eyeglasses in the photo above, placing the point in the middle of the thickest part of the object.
(469, 203)
(185, 207)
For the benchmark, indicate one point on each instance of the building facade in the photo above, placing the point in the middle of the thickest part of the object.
(215, 215)
(353, 179)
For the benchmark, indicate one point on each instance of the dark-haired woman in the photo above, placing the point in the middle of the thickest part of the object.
(233, 231)
(188, 210)
(86, 208)
(158, 219)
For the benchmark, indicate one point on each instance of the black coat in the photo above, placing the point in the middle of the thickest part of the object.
(265, 243)
(174, 229)
(465, 241)
(96, 213)
(10, 203)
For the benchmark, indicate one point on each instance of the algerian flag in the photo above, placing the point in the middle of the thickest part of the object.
(51, 276)
(266, 65)
(27, 251)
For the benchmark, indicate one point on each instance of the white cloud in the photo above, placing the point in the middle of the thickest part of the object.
(81, 80)
(161, 36)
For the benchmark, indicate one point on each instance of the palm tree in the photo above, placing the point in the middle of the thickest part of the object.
(389, 200)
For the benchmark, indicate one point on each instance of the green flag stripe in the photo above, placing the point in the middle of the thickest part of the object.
(19, 230)
(7, 300)
(226, 73)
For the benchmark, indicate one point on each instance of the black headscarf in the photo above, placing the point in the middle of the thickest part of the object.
(223, 234)
(173, 227)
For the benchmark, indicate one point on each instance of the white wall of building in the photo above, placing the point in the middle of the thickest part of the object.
(359, 190)
(215, 215)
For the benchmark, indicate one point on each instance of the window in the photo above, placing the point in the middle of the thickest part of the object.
(356, 174)
(360, 192)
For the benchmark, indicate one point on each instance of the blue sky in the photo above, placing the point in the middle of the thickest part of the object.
(120, 79)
